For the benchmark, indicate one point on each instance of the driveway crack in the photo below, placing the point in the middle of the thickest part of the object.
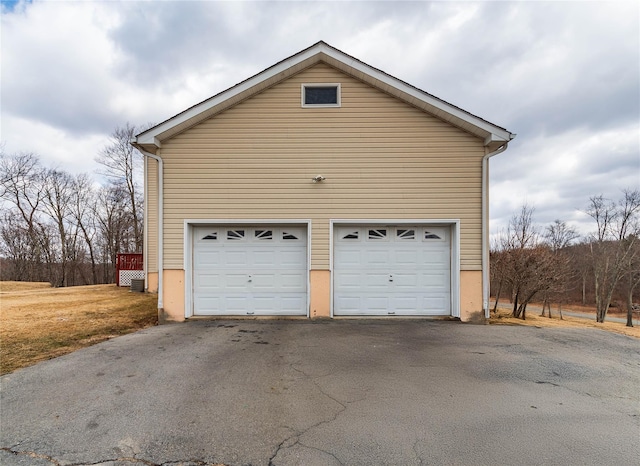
(298, 435)
(31, 454)
(322, 451)
(131, 460)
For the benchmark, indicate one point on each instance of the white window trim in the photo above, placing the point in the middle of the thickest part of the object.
(454, 224)
(188, 228)
(305, 85)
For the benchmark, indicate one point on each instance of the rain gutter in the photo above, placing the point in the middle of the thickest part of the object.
(485, 226)
(160, 219)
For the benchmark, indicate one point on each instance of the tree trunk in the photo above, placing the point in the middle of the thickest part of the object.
(495, 306)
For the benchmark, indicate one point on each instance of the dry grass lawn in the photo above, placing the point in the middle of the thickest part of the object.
(38, 322)
(534, 319)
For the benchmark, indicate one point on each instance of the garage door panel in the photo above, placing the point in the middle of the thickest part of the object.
(263, 303)
(375, 258)
(405, 303)
(435, 303)
(405, 280)
(376, 281)
(235, 282)
(349, 258)
(435, 258)
(264, 258)
(406, 258)
(348, 304)
(263, 281)
(206, 258)
(347, 280)
(436, 280)
(292, 304)
(293, 281)
(253, 270)
(292, 257)
(208, 305)
(208, 282)
(379, 303)
(236, 259)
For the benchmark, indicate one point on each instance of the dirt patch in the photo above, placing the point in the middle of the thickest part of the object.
(534, 319)
(38, 322)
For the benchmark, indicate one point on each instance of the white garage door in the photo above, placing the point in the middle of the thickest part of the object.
(242, 270)
(382, 270)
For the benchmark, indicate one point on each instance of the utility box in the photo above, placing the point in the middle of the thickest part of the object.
(137, 284)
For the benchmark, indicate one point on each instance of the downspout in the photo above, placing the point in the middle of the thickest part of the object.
(485, 227)
(160, 223)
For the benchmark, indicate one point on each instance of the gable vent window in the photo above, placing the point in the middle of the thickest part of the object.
(320, 95)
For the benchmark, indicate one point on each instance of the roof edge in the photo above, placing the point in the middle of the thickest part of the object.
(491, 133)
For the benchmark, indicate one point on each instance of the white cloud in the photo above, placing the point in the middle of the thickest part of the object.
(56, 147)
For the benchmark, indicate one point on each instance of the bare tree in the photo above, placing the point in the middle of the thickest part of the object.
(524, 264)
(559, 236)
(83, 209)
(113, 226)
(613, 244)
(121, 164)
(22, 188)
(57, 202)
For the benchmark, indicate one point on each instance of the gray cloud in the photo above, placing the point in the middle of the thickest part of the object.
(565, 76)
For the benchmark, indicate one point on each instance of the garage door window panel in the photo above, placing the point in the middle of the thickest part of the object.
(235, 235)
(377, 235)
(264, 235)
(406, 235)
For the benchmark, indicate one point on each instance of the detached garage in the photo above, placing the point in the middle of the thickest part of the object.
(320, 187)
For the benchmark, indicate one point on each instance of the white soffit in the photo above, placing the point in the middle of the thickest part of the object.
(322, 52)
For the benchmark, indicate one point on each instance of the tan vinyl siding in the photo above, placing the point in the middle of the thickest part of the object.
(381, 158)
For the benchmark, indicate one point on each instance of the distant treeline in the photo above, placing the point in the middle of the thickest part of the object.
(67, 229)
(556, 265)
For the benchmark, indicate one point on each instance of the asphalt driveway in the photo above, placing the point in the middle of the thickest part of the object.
(351, 392)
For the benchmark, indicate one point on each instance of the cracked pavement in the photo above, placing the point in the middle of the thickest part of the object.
(342, 392)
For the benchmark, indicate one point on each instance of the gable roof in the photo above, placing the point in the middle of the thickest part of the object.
(494, 136)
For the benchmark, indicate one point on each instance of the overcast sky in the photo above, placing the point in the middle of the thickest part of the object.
(565, 77)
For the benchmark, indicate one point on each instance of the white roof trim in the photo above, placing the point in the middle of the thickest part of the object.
(439, 108)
